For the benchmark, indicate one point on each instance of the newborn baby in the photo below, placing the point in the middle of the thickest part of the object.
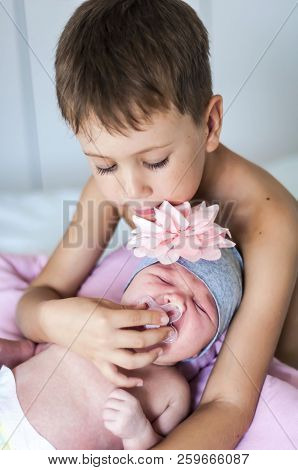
(72, 406)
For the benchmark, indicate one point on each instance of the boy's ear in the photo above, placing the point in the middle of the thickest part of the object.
(213, 122)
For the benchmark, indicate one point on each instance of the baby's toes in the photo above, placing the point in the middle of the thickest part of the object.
(26, 349)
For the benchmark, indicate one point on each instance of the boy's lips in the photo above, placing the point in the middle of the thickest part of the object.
(141, 212)
(146, 210)
(150, 210)
(148, 214)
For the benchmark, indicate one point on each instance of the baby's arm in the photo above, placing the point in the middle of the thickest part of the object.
(154, 432)
(71, 262)
(178, 408)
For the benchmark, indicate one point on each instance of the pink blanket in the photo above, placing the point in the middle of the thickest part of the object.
(275, 424)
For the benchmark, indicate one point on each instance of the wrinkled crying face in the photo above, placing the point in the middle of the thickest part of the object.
(197, 322)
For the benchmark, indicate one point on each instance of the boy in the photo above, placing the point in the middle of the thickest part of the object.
(124, 63)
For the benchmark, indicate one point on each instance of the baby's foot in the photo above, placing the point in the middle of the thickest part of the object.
(27, 349)
(13, 353)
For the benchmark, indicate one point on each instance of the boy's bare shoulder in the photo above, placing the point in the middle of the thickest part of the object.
(229, 176)
(244, 191)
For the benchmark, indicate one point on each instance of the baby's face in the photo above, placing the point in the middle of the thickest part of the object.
(174, 283)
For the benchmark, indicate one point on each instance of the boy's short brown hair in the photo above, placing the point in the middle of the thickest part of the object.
(117, 56)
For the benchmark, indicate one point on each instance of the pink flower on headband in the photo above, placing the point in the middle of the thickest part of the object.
(179, 231)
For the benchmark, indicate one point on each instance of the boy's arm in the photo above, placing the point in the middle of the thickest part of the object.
(69, 265)
(213, 425)
(266, 231)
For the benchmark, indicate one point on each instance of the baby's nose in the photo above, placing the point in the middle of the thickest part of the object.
(173, 310)
(176, 299)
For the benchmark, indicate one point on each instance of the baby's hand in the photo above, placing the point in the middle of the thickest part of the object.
(123, 415)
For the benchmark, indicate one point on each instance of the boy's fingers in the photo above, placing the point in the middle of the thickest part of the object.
(111, 372)
(134, 360)
(140, 339)
(136, 317)
(133, 306)
(113, 305)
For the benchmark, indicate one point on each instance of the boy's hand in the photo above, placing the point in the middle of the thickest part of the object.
(123, 415)
(93, 328)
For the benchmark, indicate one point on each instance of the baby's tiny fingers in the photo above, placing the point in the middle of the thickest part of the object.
(111, 425)
(114, 404)
(120, 394)
(109, 415)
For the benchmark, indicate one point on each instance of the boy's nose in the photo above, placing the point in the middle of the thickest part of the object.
(135, 188)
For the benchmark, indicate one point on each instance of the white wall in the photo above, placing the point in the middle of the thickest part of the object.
(14, 150)
(261, 123)
(38, 150)
(62, 162)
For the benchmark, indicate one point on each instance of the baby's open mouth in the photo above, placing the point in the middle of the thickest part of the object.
(173, 312)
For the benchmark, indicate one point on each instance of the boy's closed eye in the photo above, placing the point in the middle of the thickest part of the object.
(152, 166)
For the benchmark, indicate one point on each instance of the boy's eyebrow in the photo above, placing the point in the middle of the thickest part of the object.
(137, 153)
